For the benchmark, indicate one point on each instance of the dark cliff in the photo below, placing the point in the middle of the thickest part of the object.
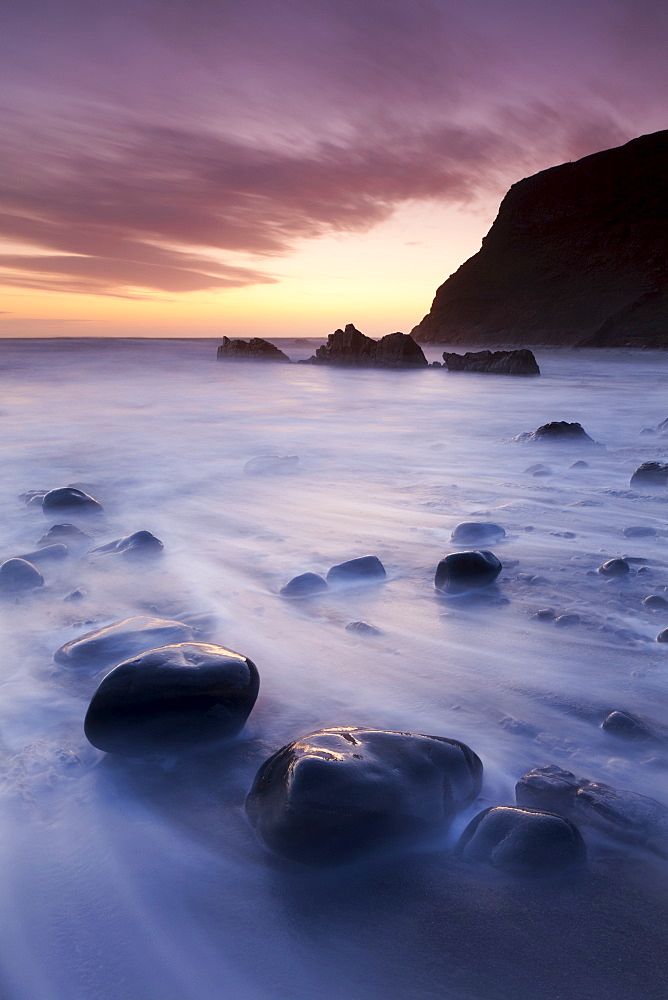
(578, 254)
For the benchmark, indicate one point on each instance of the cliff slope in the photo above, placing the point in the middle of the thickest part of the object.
(578, 254)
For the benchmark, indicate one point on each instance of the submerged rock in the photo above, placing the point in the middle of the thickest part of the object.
(462, 571)
(172, 698)
(341, 793)
(623, 815)
(138, 545)
(70, 499)
(362, 628)
(352, 348)
(650, 474)
(122, 639)
(626, 726)
(476, 532)
(614, 567)
(303, 586)
(250, 350)
(522, 841)
(519, 362)
(18, 574)
(264, 465)
(580, 464)
(639, 531)
(656, 601)
(566, 621)
(360, 570)
(47, 553)
(558, 432)
(539, 470)
(68, 534)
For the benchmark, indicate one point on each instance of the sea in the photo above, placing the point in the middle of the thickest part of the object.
(133, 879)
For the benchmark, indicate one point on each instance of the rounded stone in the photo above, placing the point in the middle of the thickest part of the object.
(477, 532)
(48, 553)
(122, 639)
(69, 498)
(639, 531)
(172, 698)
(360, 570)
(138, 545)
(66, 533)
(462, 571)
(522, 841)
(19, 574)
(656, 601)
(303, 586)
(626, 726)
(338, 794)
(264, 465)
(614, 567)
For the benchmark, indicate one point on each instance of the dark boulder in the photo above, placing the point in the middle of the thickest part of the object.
(539, 470)
(250, 350)
(626, 726)
(663, 635)
(558, 432)
(303, 586)
(121, 639)
(140, 545)
(614, 567)
(477, 532)
(580, 464)
(520, 362)
(48, 553)
(522, 841)
(172, 698)
(650, 474)
(352, 348)
(68, 534)
(69, 499)
(658, 602)
(264, 465)
(639, 531)
(19, 574)
(336, 795)
(462, 571)
(364, 569)
(622, 815)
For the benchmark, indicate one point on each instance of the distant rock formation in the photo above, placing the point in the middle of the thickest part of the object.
(351, 348)
(578, 254)
(494, 362)
(557, 432)
(250, 350)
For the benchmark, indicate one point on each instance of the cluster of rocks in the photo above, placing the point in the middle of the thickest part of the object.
(364, 569)
(519, 362)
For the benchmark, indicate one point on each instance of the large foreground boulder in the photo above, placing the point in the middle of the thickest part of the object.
(341, 793)
(463, 571)
(172, 698)
(250, 350)
(520, 362)
(352, 348)
(522, 841)
(623, 815)
(121, 639)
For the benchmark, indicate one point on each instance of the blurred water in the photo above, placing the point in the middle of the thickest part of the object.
(143, 881)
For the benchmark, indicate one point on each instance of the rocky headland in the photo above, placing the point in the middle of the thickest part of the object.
(578, 255)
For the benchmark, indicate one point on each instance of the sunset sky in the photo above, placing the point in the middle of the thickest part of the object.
(278, 167)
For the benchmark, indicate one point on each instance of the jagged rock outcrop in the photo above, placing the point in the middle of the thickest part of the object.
(578, 254)
(352, 348)
(250, 350)
(520, 362)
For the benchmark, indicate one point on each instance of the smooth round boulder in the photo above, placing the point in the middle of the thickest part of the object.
(652, 474)
(67, 534)
(48, 553)
(303, 585)
(658, 602)
(477, 532)
(69, 499)
(171, 699)
(522, 841)
(140, 545)
(339, 794)
(626, 726)
(361, 570)
(463, 571)
(18, 574)
(614, 567)
(122, 639)
(663, 634)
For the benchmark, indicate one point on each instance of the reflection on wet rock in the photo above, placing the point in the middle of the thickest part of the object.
(70, 499)
(172, 698)
(462, 571)
(361, 570)
(122, 639)
(341, 793)
(18, 574)
(303, 585)
(522, 841)
(138, 545)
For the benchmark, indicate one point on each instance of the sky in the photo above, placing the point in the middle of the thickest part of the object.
(199, 168)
